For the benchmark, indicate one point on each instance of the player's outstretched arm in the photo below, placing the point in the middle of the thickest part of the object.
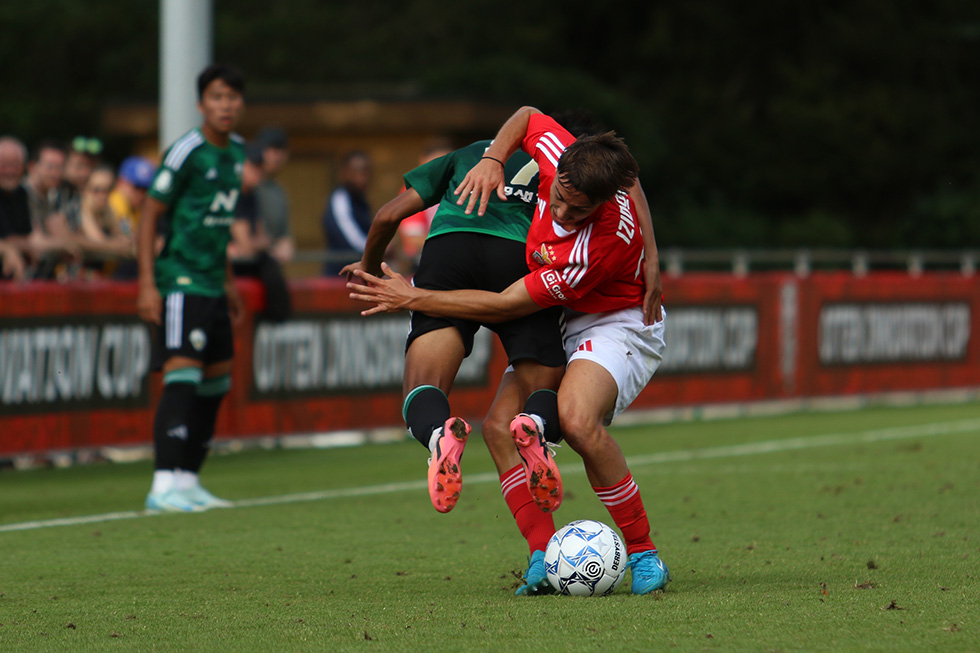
(396, 294)
(383, 229)
(654, 291)
(487, 176)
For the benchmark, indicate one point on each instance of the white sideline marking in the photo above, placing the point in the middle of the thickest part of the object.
(748, 449)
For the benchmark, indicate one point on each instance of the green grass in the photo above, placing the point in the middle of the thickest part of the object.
(846, 546)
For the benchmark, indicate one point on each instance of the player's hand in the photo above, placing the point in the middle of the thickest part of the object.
(348, 270)
(149, 304)
(236, 305)
(389, 295)
(13, 264)
(478, 184)
(653, 297)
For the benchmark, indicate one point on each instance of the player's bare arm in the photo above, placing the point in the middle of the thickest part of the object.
(236, 305)
(383, 229)
(148, 302)
(396, 294)
(487, 176)
(654, 291)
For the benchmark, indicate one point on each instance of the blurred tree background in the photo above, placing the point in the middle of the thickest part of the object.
(769, 123)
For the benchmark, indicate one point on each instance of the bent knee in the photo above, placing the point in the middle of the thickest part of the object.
(496, 428)
(581, 430)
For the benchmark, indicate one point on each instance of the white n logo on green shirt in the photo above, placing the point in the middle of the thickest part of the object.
(225, 201)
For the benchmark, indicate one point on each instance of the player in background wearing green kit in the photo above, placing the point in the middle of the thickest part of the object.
(470, 251)
(188, 291)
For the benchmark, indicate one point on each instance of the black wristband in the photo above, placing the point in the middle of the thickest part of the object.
(493, 159)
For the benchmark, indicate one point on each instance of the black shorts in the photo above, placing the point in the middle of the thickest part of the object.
(462, 260)
(195, 327)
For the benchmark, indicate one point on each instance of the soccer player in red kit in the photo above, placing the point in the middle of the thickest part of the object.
(585, 252)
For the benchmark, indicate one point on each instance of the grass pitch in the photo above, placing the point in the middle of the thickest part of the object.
(811, 531)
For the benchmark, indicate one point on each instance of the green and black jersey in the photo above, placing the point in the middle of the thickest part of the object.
(436, 180)
(200, 184)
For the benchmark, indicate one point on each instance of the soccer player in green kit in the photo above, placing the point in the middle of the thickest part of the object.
(487, 252)
(188, 291)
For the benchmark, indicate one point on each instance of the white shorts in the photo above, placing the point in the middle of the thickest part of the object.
(618, 341)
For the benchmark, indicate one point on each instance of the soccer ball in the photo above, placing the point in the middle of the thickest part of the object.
(585, 558)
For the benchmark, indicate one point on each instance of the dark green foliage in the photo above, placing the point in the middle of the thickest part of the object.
(767, 123)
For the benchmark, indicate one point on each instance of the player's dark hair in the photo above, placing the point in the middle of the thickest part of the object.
(47, 144)
(228, 74)
(579, 122)
(598, 166)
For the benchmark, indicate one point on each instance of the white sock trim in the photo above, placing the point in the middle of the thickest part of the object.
(163, 481)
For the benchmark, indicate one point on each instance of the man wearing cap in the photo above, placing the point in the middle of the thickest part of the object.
(135, 176)
(126, 199)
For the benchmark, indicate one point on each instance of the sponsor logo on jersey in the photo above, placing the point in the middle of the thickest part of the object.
(224, 202)
(164, 181)
(552, 281)
(544, 256)
(211, 174)
(523, 194)
(198, 339)
(184, 281)
(218, 220)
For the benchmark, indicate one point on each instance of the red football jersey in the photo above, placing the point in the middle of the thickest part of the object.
(594, 269)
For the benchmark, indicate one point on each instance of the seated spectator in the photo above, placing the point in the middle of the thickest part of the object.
(100, 230)
(15, 213)
(347, 216)
(249, 248)
(45, 172)
(126, 200)
(273, 203)
(16, 227)
(51, 235)
(83, 157)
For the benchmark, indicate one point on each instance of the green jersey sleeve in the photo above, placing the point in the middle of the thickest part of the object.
(431, 180)
(437, 180)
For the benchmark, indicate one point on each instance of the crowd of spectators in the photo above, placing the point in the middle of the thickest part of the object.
(67, 214)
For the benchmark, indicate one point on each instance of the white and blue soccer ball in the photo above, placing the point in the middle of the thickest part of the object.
(585, 558)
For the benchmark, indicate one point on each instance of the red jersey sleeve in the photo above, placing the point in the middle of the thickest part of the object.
(545, 140)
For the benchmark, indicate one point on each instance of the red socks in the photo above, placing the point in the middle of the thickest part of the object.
(537, 527)
(626, 508)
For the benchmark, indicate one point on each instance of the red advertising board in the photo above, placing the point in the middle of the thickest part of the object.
(888, 332)
(74, 359)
